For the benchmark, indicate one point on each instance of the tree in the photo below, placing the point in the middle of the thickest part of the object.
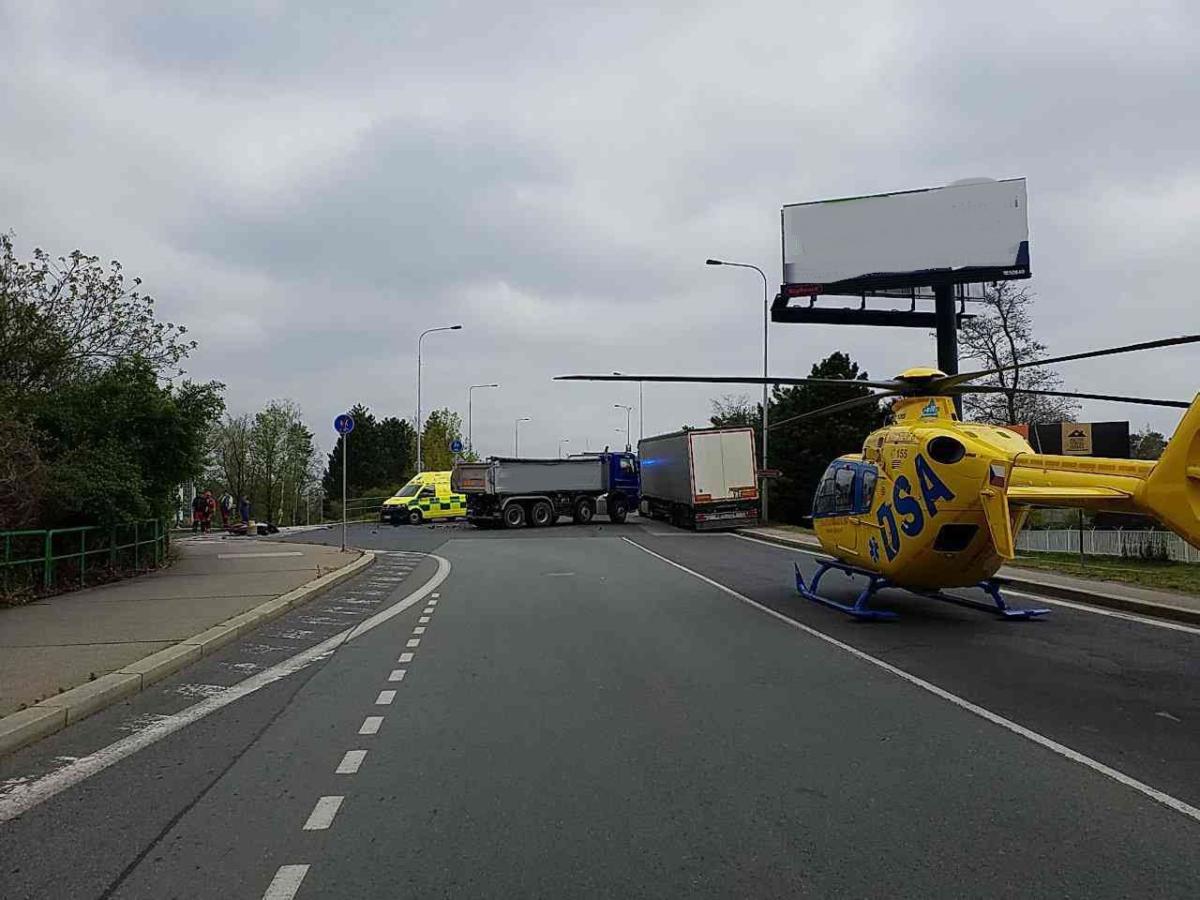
(382, 456)
(230, 451)
(1147, 444)
(441, 427)
(280, 452)
(1002, 335)
(802, 450)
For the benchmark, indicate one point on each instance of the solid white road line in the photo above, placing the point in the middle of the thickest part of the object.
(1082, 607)
(351, 762)
(385, 698)
(322, 815)
(420, 629)
(1050, 744)
(424, 620)
(25, 796)
(396, 675)
(405, 658)
(371, 725)
(413, 642)
(285, 883)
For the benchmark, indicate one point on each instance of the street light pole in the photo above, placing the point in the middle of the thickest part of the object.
(628, 411)
(517, 434)
(765, 401)
(641, 411)
(470, 442)
(421, 337)
(560, 443)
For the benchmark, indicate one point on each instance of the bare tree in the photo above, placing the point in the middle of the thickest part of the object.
(1001, 334)
(230, 452)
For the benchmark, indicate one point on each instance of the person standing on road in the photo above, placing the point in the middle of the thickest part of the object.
(226, 506)
(210, 510)
(244, 509)
(198, 508)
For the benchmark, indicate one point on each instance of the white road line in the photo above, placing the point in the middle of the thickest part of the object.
(28, 795)
(322, 815)
(424, 620)
(371, 725)
(433, 602)
(1050, 744)
(413, 642)
(263, 555)
(435, 596)
(405, 658)
(351, 762)
(1041, 598)
(420, 629)
(285, 883)
(427, 611)
(385, 698)
(396, 675)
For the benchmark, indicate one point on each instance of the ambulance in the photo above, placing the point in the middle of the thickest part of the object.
(427, 497)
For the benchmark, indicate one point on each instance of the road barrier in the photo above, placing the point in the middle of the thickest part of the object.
(45, 561)
(1151, 545)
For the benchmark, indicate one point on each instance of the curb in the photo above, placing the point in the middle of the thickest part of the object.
(36, 722)
(1055, 591)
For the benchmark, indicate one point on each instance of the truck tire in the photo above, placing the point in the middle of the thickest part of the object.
(618, 509)
(514, 516)
(584, 512)
(541, 514)
(414, 517)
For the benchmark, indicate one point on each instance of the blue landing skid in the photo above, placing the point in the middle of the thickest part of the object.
(860, 609)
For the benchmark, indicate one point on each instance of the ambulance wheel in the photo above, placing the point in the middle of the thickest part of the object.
(585, 511)
(541, 513)
(514, 516)
(617, 511)
(414, 517)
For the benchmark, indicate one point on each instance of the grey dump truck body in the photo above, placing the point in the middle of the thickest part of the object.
(703, 479)
(518, 492)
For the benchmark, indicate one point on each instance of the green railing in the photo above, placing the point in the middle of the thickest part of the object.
(45, 561)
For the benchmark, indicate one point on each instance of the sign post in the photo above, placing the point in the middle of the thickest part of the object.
(343, 425)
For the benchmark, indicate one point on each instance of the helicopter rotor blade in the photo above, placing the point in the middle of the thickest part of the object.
(1145, 401)
(721, 379)
(951, 381)
(836, 407)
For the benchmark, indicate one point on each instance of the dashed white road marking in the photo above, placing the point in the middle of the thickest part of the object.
(424, 620)
(396, 675)
(27, 795)
(351, 762)
(420, 629)
(996, 719)
(285, 883)
(427, 611)
(371, 725)
(385, 698)
(434, 596)
(413, 642)
(322, 815)
(405, 658)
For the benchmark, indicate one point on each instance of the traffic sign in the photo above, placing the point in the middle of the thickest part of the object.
(344, 424)
(769, 473)
(456, 446)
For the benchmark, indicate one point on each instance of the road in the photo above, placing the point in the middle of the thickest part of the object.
(626, 711)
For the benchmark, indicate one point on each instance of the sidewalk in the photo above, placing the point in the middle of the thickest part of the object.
(1114, 595)
(52, 645)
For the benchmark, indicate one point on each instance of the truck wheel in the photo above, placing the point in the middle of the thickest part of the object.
(414, 517)
(617, 511)
(585, 511)
(514, 516)
(541, 513)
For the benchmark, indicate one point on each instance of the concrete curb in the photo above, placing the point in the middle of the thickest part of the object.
(1054, 591)
(36, 722)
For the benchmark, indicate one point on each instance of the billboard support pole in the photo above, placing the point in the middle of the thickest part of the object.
(947, 334)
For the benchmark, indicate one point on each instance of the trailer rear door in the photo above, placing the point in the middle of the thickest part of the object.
(722, 465)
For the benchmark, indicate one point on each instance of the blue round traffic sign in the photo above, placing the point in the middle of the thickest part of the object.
(456, 446)
(344, 424)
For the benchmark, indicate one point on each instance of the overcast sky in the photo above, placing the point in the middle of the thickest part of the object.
(309, 185)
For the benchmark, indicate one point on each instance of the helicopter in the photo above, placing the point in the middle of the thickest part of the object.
(933, 502)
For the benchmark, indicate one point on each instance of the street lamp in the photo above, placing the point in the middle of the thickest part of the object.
(641, 411)
(471, 443)
(517, 434)
(766, 320)
(560, 443)
(421, 337)
(628, 410)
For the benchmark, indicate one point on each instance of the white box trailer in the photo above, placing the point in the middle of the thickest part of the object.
(703, 479)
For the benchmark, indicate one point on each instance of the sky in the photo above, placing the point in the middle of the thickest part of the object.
(308, 186)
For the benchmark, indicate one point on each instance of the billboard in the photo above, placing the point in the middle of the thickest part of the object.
(1109, 439)
(971, 231)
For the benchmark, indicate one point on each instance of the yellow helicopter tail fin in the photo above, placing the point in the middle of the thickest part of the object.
(1172, 491)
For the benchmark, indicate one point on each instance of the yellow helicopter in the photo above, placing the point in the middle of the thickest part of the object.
(933, 502)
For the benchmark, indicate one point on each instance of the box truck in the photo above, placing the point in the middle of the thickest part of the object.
(702, 479)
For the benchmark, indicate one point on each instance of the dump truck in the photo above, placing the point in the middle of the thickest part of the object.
(514, 493)
(702, 479)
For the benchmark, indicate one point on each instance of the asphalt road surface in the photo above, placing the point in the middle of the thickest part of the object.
(626, 711)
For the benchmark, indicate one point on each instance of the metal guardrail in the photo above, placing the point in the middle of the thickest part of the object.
(43, 560)
(1109, 542)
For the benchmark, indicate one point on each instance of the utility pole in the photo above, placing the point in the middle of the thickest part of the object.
(947, 334)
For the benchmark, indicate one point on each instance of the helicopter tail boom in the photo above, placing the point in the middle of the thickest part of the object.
(1172, 491)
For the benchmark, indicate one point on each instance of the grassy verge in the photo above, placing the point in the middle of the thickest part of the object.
(1169, 576)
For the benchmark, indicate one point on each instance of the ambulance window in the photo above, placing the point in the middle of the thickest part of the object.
(408, 490)
(429, 491)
